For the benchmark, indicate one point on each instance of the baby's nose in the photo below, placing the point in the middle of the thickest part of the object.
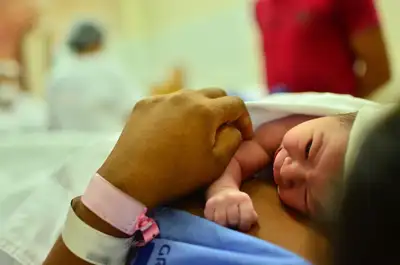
(292, 174)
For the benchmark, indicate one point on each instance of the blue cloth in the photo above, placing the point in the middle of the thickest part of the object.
(189, 240)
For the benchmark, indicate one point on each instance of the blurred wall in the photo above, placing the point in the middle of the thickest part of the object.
(391, 20)
(169, 13)
(133, 46)
(215, 41)
(218, 42)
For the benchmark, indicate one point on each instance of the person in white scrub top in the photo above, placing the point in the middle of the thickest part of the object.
(89, 92)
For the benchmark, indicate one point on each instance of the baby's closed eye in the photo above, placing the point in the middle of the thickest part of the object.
(308, 149)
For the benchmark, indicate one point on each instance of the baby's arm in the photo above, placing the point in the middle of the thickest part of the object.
(249, 158)
(226, 204)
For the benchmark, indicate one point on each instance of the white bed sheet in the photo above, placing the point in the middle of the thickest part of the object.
(39, 174)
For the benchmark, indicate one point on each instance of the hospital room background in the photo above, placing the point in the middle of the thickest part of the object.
(215, 41)
(212, 43)
(205, 43)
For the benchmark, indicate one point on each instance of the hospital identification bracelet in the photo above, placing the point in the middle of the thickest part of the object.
(119, 210)
(94, 246)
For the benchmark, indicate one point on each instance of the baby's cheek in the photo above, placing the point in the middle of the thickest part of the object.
(332, 173)
(293, 198)
(322, 188)
(290, 140)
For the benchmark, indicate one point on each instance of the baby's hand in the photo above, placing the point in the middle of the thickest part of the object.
(231, 207)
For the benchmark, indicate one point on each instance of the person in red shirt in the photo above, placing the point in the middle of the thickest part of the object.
(315, 45)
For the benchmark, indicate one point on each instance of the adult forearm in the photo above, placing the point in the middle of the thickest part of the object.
(375, 77)
(61, 255)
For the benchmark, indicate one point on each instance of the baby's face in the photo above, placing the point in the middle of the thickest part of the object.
(311, 154)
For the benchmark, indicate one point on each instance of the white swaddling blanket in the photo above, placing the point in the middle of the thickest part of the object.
(278, 106)
(41, 173)
(368, 118)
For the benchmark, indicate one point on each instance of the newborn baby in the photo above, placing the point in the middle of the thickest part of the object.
(306, 152)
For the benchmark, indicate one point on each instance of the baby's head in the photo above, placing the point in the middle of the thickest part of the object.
(311, 156)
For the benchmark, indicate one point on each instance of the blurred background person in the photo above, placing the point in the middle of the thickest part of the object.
(17, 19)
(173, 83)
(324, 46)
(19, 109)
(89, 91)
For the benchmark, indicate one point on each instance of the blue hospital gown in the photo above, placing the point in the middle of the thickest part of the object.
(186, 239)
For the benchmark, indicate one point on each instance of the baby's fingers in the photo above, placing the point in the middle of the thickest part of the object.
(220, 216)
(233, 215)
(248, 216)
(209, 212)
(215, 211)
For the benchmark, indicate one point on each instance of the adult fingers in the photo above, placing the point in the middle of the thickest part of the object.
(227, 141)
(232, 110)
(212, 92)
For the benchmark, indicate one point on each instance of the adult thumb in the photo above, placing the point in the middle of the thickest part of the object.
(227, 141)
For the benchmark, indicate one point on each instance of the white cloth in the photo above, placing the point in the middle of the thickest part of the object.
(26, 114)
(367, 118)
(90, 93)
(41, 173)
(278, 106)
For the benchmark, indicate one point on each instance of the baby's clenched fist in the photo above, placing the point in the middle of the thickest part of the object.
(231, 207)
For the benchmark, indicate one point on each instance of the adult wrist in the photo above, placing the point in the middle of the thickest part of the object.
(138, 186)
(107, 217)
(92, 240)
(91, 219)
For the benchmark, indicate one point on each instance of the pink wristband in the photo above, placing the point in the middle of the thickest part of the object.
(119, 210)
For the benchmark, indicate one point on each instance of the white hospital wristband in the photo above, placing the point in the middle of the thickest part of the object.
(93, 246)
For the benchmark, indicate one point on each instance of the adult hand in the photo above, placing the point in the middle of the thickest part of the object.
(170, 146)
(176, 143)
